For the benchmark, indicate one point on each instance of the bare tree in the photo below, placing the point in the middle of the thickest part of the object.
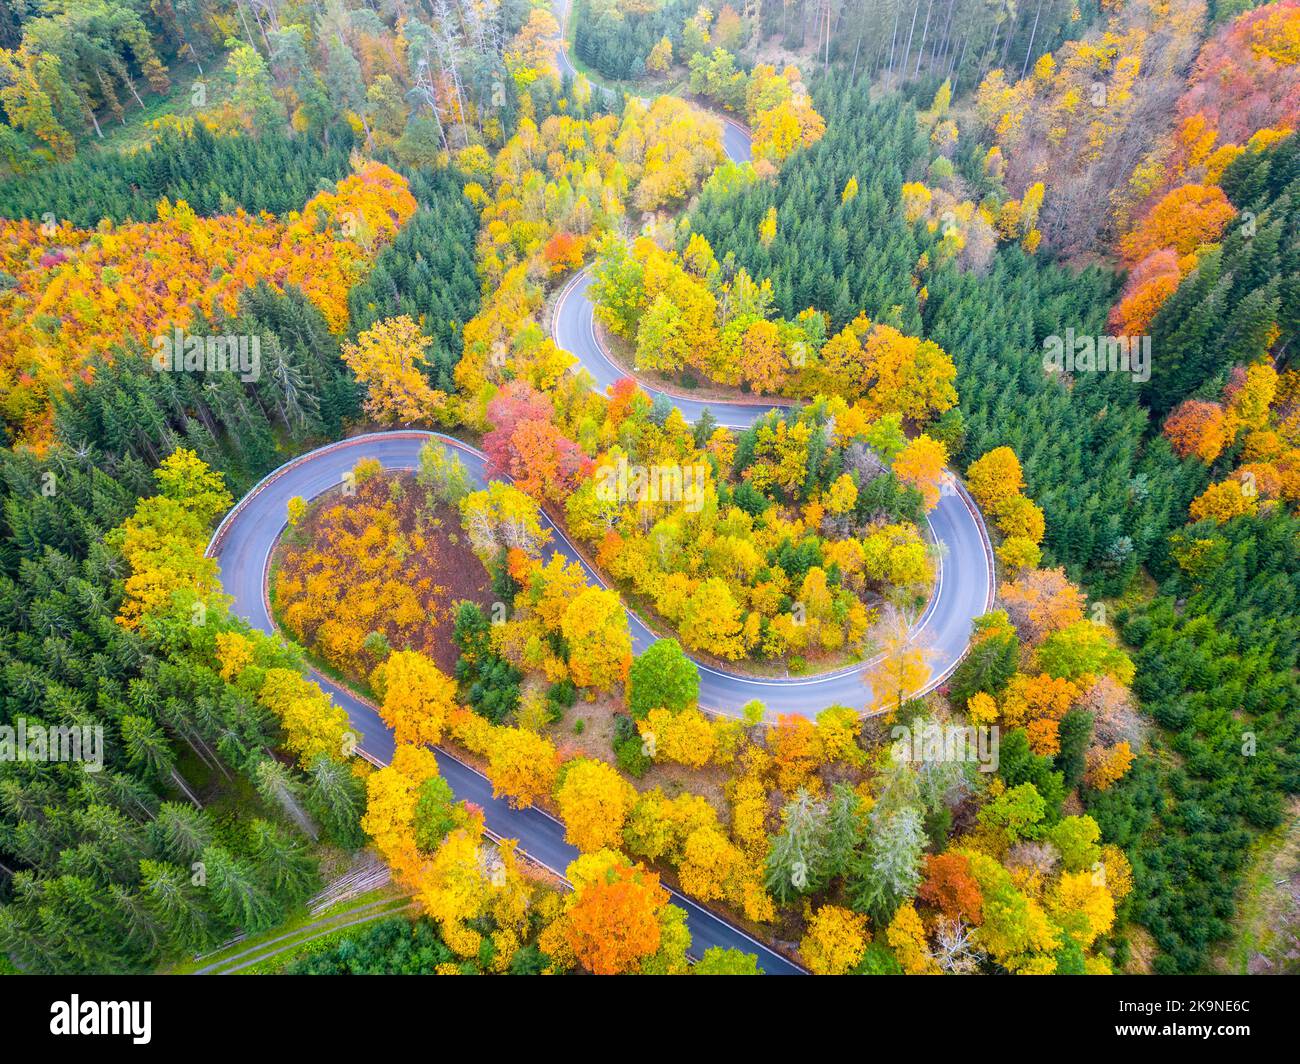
(954, 949)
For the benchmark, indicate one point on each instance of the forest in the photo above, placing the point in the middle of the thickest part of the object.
(648, 415)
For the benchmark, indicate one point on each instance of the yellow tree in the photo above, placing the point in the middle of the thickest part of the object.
(235, 652)
(1250, 398)
(1020, 517)
(660, 57)
(522, 766)
(901, 668)
(313, 724)
(455, 888)
(785, 128)
(553, 587)
(995, 477)
(921, 464)
(1083, 906)
(763, 360)
(841, 495)
(710, 866)
(1019, 552)
(600, 647)
(686, 737)
(417, 697)
(909, 376)
(982, 709)
(835, 941)
(185, 477)
(838, 729)
(713, 621)
(906, 937)
(502, 518)
(388, 358)
(594, 801)
(1223, 501)
(533, 47)
(657, 827)
(163, 541)
(392, 794)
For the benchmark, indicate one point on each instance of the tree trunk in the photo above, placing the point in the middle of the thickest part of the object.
(243, 19)
(955, 72)
(908, 50)
(179, 780)
(1006, 45)
(945, 45)
(988, 52)
(898, 5)
(920, 52)
(1032, 34)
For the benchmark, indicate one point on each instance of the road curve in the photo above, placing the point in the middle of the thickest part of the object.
(242, 546)
(965, 559)
(735, 139)
(966, 573)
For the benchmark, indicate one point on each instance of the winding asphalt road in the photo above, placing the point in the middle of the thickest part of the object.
(735, 138)
(965, 557)
(243, 543)
(965, 575)
(242, 546)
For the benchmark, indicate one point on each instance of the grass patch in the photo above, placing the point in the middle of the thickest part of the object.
(302, 924)
(307, 944)
(136, 133)
(1265, 938)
